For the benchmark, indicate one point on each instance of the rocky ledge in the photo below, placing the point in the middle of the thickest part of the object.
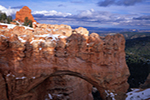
(57, 62)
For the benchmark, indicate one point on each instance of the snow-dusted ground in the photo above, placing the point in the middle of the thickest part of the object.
(11, 26)
(137, 94)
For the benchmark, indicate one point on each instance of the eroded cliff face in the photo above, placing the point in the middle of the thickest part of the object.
(33, 63)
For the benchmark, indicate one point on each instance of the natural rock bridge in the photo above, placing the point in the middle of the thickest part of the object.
(30, 62)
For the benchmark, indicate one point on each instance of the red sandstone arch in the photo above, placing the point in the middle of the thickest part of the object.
(98, 60)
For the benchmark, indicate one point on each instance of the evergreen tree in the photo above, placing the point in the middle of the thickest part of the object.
(9, 19)
(4, 18)
(0, 16)
(27, 22)
(30, 23)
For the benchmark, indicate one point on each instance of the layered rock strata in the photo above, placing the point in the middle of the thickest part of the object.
(34, 61)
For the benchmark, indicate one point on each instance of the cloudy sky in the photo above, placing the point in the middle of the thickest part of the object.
(93, 13)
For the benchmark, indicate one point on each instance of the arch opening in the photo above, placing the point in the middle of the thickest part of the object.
(68, 85)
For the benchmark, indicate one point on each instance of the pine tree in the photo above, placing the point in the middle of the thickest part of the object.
(4, 18)
(9, 19)
(30, 23)
(27, 22)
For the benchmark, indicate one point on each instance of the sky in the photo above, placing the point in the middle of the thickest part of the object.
(133, 14)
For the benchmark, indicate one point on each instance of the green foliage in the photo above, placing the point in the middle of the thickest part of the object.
(9, 19)
(138, 59)
(139, 70)
(27, 22)
(139, 47)
(30, 23)
(4, 18)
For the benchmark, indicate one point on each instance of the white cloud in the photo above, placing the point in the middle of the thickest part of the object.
(92, 18)
(8, 11)
(86, 13)
(2, 8)
(51, 13)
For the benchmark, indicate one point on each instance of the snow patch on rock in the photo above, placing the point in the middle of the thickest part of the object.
(50, 96)
(111, 94)
(22, 40)
(21, 77)
(136, 94)
(9, 26)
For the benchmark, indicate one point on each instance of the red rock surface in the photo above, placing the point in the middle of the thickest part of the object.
(3, 26)
(33, 63)
(23, 13)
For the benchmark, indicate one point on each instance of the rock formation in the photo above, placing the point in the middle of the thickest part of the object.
(43, 63)
(23, 13)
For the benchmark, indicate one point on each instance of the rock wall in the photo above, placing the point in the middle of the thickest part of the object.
(33, 63)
